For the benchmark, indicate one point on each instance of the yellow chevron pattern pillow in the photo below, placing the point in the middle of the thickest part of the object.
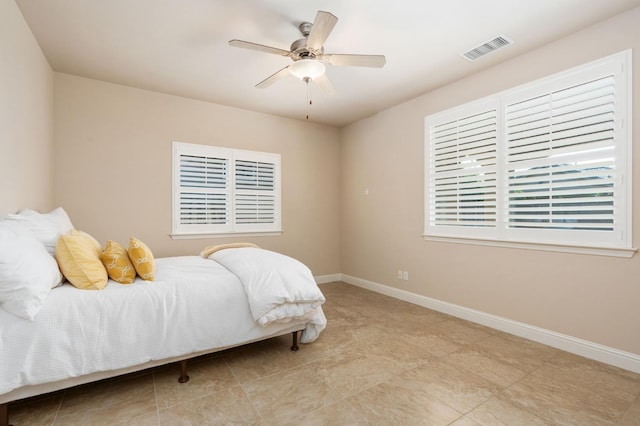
(114, 257)
(142, 259)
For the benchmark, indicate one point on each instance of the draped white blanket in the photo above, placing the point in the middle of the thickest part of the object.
(279, 288)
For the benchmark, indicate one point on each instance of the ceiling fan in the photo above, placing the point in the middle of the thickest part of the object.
(308, 55)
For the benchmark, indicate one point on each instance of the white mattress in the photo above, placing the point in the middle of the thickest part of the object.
(193, 305)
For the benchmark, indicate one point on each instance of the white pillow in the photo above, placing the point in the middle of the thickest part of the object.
(27, 271)
(47, 227)
(60, 219)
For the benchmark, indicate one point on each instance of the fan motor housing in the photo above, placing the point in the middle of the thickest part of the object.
(301, 51)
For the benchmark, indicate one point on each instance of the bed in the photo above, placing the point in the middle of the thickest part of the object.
(195, 305)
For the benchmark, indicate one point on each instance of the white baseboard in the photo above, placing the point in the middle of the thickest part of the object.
(608, 355)
(323, 279)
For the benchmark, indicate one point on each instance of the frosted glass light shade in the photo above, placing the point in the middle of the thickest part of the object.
(304, 68)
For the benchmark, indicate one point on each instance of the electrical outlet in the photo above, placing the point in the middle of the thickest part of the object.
(405, 275)
(399, 274)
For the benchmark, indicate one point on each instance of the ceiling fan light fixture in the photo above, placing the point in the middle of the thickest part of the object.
(307, 68)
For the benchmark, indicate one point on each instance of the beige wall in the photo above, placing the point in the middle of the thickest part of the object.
(591, 297)
(26, 116)
(113, 167)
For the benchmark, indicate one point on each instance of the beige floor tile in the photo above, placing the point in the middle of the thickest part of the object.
(432, 344)
(352, 372)
(339, 413)
(283, 396)
(332, 341)
(259, 360)
(487, 367)
(498, 412)
(402, 402)
(437, 345)
(593, 376)
(464, 421)
(561, 402)
(364, 304)
(148, 419)
(520, 353)
(108, 402)
(460, 389)
(412, 317)
(36, 411)
(459, 332)
(411, 349)
(345, 316)
(632, 416)
(227, 407)
(206, 376)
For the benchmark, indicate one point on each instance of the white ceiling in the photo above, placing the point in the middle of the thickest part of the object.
(181, 47)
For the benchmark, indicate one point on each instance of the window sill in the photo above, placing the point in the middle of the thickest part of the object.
(228, 235)
(561, 248)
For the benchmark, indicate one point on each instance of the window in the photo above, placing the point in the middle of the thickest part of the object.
(224, 191)
(545, 163)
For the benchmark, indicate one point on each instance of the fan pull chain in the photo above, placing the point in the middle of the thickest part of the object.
(309, 101)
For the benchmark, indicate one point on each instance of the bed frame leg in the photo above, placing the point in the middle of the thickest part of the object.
(294, 345)
(4, 414)
(184, 378)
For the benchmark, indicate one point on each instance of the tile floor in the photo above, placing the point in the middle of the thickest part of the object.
(380, 361)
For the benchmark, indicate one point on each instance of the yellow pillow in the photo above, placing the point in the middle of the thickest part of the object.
(114, 257)
(95, 242)
(79, 260)
(142, 259)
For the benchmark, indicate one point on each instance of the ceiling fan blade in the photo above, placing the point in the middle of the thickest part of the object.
(322, 27)
(273, 78)
(325, 85)
(374, 61)
(258, 47)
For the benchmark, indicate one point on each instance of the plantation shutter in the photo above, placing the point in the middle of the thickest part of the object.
(547, 164)
(462, 171)
(224, 191)
(560, 159)
(203, 191)
(255, 199)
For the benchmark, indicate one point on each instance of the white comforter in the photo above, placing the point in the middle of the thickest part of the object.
(194, 304)
(279, 288)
